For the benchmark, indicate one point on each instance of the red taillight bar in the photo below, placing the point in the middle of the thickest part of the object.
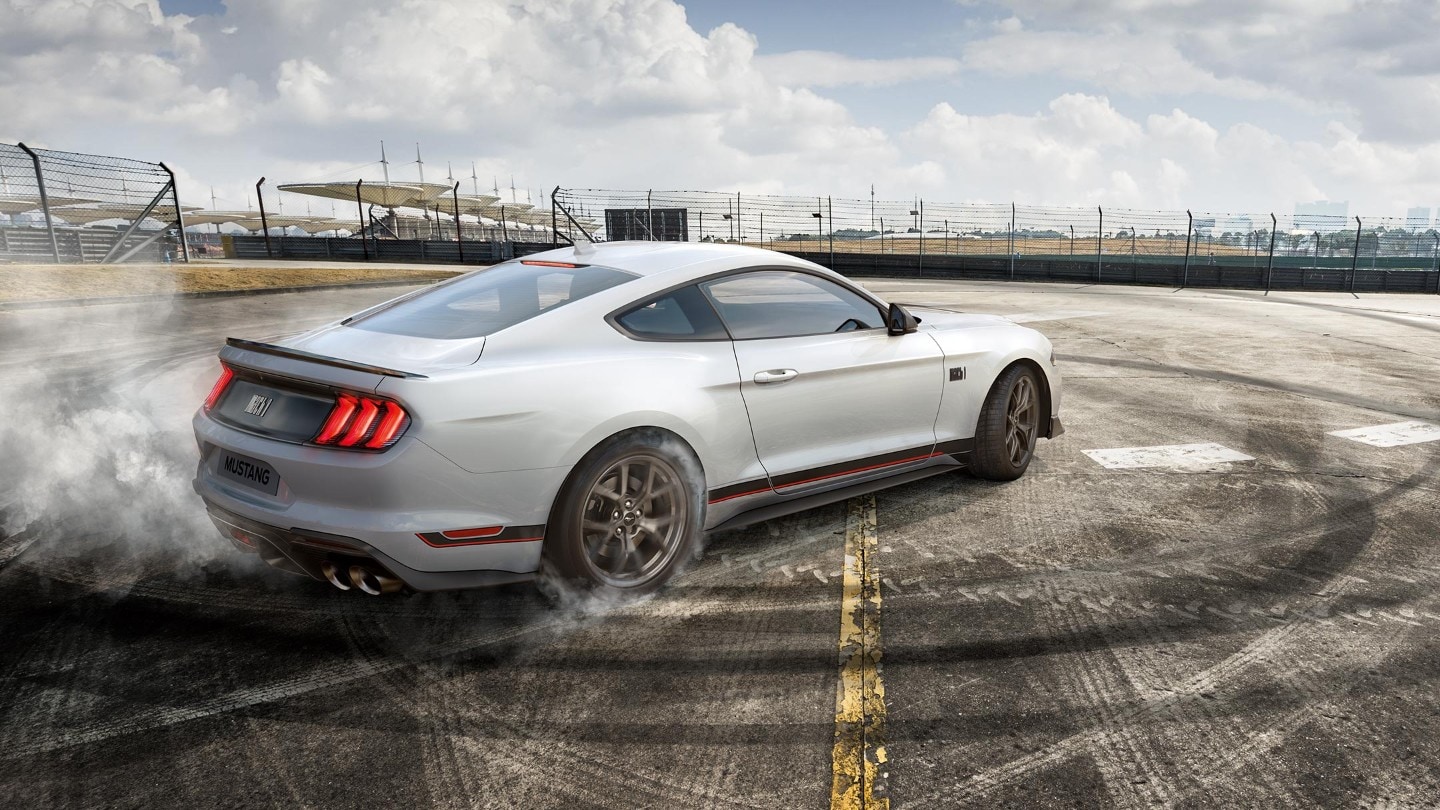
(369, 408)
(345, 408)
(226, 375)
(389, 426)
(358, 422)
(544, 263)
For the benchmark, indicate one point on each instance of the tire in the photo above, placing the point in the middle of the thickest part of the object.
(1009, 426)
(629, 515)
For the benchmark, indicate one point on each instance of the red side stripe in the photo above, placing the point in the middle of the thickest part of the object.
(860, 470)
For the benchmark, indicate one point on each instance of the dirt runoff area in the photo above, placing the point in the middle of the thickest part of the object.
(42, 282)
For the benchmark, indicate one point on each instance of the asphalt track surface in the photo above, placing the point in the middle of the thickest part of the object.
(1257, 633)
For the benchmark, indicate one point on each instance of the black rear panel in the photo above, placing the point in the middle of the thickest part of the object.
(276, 407)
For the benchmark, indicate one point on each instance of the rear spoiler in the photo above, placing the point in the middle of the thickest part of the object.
(310, 357)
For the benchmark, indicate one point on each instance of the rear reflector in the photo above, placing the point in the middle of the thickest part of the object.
(226, 375)
(360, 422)
(471, 534)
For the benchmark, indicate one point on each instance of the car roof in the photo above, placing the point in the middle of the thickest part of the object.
(654, 258)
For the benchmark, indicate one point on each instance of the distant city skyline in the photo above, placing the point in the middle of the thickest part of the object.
(1257, 106)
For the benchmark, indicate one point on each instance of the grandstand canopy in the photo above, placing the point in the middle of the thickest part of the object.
(12, 204)
(386, 195)
(323, 224)
(475, 204)
(220, 217)
(129, 212)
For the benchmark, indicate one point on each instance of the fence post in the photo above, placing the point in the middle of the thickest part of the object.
(44, 202)
(179, 217)
(739, 225)
(1354, 256)
(1100, 246)
(1270, 265)
(460, 241)
(554, 222)
(649, 215)
(829, 211)
(1189, 231)
(264, 223)
(1437, 264)
(1012, 240)
(922, 237)
(360, 214)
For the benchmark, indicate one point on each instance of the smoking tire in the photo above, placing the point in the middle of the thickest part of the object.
(628, 516)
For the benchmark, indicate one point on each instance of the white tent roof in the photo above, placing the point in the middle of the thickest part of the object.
(19, 204)
(387, 195)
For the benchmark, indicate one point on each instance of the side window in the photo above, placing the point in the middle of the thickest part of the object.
(778, 303)
(680, 315)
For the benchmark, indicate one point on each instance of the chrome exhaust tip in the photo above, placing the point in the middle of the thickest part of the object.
(373, 582)
(335, 575)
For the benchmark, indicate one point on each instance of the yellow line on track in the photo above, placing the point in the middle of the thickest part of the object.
(858, 762)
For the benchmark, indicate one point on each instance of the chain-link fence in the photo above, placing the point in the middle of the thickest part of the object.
(69, 207)
(1098, 244)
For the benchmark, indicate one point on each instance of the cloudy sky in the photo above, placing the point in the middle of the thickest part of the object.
(1206, 104)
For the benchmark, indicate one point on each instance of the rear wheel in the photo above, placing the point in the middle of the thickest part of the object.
(1009, 426)
(629, 515)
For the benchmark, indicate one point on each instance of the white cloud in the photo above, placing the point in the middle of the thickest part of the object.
(626, 94)
(829, 69)
(1371, 62)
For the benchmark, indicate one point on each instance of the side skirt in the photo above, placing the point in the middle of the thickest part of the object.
(790, 507)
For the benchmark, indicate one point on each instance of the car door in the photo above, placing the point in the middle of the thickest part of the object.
(831, 394)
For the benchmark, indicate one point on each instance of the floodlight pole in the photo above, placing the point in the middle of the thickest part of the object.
(921, 209)
(264, 223)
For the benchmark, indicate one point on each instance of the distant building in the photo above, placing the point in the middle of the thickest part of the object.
(1322, 216)
(1417, 219)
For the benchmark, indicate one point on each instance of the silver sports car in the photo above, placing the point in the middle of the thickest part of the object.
(593, 411)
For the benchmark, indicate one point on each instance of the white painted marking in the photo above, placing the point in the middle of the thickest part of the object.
(1056, 315)
(1169, 455)
(1392, 435)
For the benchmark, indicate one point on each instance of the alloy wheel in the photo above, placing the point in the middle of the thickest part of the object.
(633, 520)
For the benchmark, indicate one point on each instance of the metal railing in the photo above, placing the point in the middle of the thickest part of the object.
(70, 207)
(919, 237)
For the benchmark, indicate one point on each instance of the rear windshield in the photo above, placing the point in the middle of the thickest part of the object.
(491, 300)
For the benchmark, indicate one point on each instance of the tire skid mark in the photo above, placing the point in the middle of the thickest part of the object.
(1132, 776)
(1256, 653)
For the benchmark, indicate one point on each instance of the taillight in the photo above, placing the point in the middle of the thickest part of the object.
(226, 375)
(363, 422)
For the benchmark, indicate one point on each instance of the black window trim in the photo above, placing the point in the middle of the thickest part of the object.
(614, 317)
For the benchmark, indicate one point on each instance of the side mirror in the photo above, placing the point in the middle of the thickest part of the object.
(900, 322)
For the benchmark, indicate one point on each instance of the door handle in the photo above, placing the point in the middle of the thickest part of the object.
(776, 375)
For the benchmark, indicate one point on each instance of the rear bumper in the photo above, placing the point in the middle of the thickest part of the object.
(305, 552)
(381, 504)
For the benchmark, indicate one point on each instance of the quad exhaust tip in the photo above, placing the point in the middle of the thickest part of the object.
(371, 581)
(335, 575)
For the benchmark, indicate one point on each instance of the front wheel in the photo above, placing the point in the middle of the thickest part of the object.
(1008, 427)
(629, 515)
